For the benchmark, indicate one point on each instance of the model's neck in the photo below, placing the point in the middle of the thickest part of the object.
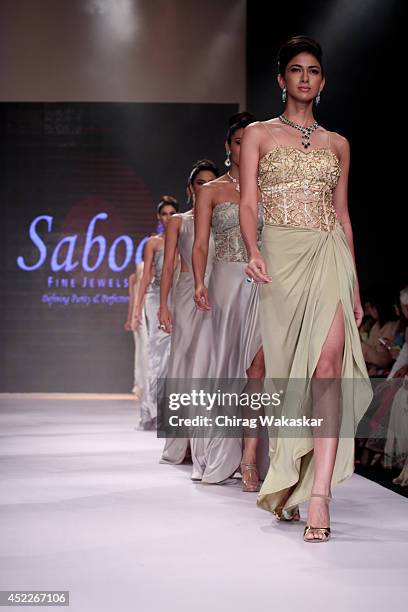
(234, 171)
(299, 113)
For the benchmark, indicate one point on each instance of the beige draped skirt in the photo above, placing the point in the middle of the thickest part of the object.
(312, 272)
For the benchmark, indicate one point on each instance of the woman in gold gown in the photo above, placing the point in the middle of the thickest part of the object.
(310, 306)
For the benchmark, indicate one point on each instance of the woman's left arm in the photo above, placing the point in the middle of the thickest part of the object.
(340, 203)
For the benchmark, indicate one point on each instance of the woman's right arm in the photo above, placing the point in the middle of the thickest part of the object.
(132, 287)
(248, 207)
(202, 229)
(166, 281)
(148, 255)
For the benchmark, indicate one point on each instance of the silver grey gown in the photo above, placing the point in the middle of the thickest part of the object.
(140, 339)
(157, 347)
(190, 353)
(235, 327)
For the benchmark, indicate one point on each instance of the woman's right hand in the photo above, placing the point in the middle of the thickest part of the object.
(201, 298)
(128, 325)
(165, 319)
(256, 270)
(137, 318)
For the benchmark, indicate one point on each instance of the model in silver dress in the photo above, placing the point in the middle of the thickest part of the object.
(190, 329)
(233, 303)
(145, 313)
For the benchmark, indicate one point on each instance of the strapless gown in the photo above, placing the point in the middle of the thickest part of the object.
(140, 338)
(235, 328)
(312, 270)
(190, 353)
(157, 347)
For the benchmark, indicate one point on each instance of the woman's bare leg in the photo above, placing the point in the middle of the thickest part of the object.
(256, 371)
(326, 399)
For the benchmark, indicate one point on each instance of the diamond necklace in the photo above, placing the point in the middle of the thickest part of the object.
(306, 131)
(233, 180)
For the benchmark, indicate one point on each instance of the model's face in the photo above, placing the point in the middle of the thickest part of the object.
(235, 146)
(165, 213)
(303, 78)
(404, 309)
(204, 176)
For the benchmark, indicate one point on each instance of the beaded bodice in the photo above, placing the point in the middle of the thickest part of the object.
(297, 187)
(229, 245)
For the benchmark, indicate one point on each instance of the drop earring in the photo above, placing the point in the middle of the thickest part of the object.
(227, 160)
(284, 96)
(317, 99)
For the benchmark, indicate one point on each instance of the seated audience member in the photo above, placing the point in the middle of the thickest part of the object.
(366, 323)
(385, 410)
(376, 349)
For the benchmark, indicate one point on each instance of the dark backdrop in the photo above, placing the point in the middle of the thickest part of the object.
(61, 328)
(362, 100)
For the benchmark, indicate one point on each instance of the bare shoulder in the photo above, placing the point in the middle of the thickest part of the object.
(261, 131)
(212, 192)
(254, 131)
(174, 222)
(271, 123)
(150, 246)
(151, 242)
(339, 143)
(211, 188)
(155, 242)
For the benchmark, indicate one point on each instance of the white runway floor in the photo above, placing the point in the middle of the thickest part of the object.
(86, 507)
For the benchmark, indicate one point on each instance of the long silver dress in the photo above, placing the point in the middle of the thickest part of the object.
(190, 354)
(157, 347)
(235, 327)
(140, 340)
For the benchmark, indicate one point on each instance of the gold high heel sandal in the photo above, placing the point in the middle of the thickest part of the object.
(250, 481)
(314, 530)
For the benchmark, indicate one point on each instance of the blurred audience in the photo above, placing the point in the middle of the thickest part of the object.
(384, 338)
(381, 335)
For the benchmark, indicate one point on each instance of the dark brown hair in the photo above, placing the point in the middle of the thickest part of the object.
(199, 166)
(167, 200)
(237, 122)
(295, 45)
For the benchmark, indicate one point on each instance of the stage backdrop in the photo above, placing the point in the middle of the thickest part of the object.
(79, 186)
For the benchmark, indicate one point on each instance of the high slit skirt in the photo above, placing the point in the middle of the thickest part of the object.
(312, 274)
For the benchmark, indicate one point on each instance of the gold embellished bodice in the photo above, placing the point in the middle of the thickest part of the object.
(229, 245)
(297, 187)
